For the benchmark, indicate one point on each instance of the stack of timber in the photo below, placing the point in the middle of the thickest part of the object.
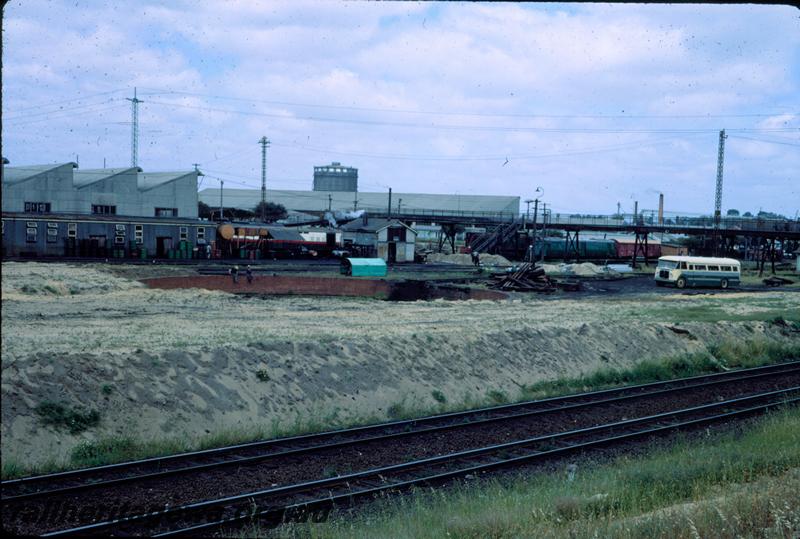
(525, 278)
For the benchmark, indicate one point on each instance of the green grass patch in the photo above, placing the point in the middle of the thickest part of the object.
(719, 358)
(65, 417)
(733, 484)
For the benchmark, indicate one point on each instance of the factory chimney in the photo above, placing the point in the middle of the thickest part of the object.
(661, 208)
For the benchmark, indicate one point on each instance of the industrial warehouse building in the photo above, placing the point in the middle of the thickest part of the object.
(402, 203)
(63, 188)
(61, 210)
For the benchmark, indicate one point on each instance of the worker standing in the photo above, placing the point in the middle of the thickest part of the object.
(249, 273)
(235, 274)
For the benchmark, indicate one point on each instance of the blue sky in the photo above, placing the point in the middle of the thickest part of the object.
(596, 103)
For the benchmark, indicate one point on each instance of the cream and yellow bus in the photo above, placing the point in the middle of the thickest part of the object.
(683, 271)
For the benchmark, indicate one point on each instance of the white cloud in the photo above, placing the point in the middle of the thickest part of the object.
(487, 59)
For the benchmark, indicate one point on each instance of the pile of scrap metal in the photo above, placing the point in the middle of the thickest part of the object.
(777, 281)
(523, 278)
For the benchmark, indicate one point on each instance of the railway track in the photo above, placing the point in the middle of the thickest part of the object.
(248, 453)
(465, 428)
(298, 501)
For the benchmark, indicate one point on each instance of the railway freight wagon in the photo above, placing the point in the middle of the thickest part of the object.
(555, 249)
(625, 247)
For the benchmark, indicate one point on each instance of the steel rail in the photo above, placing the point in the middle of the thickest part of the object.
(376, 479)
(727, 378)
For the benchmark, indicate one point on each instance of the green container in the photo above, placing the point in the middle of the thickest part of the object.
(143, 253)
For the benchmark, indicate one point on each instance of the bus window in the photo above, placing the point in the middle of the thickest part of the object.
(683, 265)
(725, 268)
(713, 268)
(700, 267)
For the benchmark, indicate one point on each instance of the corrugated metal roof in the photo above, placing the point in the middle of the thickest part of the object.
(84, 178)
(13, 175)
(373, 225)
(317, 201)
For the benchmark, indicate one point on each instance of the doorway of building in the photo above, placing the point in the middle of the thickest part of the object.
(163, 245)
(392, 255)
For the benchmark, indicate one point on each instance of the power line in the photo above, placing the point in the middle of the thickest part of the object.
(53, 103)
(463, 127)
(454, 113)
(78, 109)
(765, 140)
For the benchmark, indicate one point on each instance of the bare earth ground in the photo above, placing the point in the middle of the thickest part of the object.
(172, 363)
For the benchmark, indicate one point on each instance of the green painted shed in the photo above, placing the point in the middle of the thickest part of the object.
(364, 267)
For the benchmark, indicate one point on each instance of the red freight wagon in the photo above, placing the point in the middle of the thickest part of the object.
(625, 248)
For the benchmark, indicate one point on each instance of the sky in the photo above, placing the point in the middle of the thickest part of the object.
(597, 104)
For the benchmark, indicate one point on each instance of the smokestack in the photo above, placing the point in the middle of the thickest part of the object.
(661, 208)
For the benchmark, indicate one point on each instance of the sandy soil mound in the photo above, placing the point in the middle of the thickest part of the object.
(585, 269)
(169, 363)
(35, 279)
(466, 260)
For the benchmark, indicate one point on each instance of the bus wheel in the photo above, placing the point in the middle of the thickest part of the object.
(723, 283)
(681, 282)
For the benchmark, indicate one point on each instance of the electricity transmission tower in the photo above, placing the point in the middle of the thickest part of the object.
(718, 197)
(134, 128)
(264, 145)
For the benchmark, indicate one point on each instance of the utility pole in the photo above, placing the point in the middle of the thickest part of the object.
(134, 128)
(330, 201)
(636, 212)
(618, 208)
(399, 203)
(264, 145)
(528, 209)
(389, 211)
(535, 211)
(221, 184)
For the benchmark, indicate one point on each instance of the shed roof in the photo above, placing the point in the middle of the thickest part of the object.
(84, 178)
(373, 225)
(284, 234)
(14, 175)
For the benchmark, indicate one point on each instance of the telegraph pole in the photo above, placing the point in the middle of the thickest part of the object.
(264, 145)
(399, 203)
(134, 128)
(535, 211)
(330, 201)
(389, 211)
(221, 184)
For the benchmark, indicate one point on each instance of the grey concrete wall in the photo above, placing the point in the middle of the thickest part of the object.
(180, 194)
(54, 186)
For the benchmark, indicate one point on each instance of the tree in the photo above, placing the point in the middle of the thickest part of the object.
(747, 214)
(203, 210)
(733, 213)
(272, 211)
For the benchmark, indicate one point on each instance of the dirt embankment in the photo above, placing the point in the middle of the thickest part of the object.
(183, 363)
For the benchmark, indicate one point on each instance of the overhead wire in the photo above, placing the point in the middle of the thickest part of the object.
(467, 127)
(455, 113)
